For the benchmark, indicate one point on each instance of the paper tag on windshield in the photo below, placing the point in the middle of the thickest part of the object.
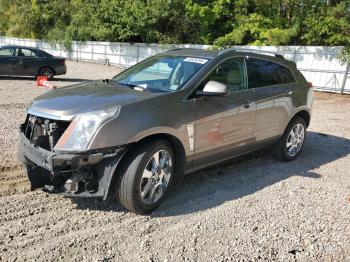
(196, 60)
(173, 87)
(143, 85)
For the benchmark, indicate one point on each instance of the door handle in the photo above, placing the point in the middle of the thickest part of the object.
(288, 92)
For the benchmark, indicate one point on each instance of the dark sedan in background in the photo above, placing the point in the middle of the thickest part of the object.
(29, 61)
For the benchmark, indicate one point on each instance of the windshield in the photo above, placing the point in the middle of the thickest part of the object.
(161, 73)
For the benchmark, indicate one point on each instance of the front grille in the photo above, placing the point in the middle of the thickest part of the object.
(43, 132)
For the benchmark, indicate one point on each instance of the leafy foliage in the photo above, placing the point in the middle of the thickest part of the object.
(218, 22)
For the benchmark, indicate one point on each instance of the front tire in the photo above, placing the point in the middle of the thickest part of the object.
(146, 177)
(292, 141)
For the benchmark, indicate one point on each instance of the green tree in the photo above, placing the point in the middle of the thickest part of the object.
(218, 22)
(19, 18)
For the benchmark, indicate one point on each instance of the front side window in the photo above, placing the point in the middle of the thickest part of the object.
(265, 73)
(229, 73)
(161, 73)
(8, 52)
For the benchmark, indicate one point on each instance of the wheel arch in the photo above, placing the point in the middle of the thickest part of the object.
(304, 114)
(176, 144)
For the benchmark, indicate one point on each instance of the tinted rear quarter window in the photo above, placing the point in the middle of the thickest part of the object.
(266, 73)
(39, 54)
(26, 53)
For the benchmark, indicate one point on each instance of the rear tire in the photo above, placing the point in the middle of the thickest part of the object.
(292, 141)
(146, 176)
(47, 71)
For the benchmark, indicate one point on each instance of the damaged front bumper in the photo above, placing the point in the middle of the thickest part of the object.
(87, 174)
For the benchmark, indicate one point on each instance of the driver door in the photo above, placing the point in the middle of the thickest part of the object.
(225, 125)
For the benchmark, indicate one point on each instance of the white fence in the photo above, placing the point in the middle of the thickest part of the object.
(319, 64)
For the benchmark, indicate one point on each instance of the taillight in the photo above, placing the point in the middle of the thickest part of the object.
(309, 85)
(63, 62)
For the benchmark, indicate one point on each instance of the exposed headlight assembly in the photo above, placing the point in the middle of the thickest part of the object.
(81, 130)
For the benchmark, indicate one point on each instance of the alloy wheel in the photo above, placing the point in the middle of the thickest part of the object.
(155, 177)
(295, 139)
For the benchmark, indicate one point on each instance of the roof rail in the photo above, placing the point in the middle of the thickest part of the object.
(252, 50)
(175, 49)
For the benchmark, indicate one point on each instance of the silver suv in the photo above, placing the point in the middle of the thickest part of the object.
(167, 116)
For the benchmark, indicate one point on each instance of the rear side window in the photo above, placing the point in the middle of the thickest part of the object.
(265, 73)
(39, 54)
(26, 53)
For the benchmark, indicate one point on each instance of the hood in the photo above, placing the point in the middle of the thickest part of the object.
(64, 103)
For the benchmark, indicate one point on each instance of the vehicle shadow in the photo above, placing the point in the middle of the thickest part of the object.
(237, 178)
(34, 79)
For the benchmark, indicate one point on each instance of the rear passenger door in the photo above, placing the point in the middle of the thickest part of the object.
(30, 61)
(273, 85)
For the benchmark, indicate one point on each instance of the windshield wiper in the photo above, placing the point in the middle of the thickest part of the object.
(132, 86)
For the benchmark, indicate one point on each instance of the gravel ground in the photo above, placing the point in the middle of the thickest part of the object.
(254, 208)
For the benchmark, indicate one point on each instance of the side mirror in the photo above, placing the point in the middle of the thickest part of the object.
(213, 88)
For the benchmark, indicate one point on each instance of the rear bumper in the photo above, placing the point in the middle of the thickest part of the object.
(61, 70)
(84, 174)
